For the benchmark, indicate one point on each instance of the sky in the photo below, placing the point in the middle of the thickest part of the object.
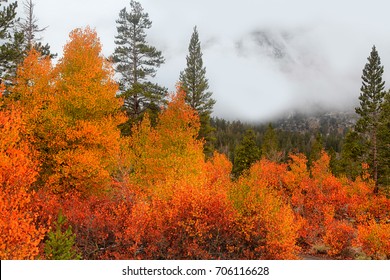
(263, 58)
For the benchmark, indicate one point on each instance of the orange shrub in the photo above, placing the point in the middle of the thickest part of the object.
(20, 233)
(193, 224)
(374, 238)
(338, 236)
(267, 223)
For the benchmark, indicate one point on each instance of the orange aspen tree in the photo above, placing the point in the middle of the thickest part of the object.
(85, 114)
(33, 94)
(169, 154)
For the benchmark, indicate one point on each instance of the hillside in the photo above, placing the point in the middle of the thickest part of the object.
(327, 123)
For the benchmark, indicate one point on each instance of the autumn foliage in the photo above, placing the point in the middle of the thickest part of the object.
(20, 230)
(374, 238)
(68, 177)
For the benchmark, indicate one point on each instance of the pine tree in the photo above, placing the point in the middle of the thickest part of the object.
(351, 157)
(270, 147)
(7, 18)
(371, 99)
(60, 243)
(194, 83)
(246, 153)
(11, 41)
(316, 149)
(384, 144)
(137, 62)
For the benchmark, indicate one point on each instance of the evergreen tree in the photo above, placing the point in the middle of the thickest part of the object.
(384, 144)
(351, 157)
(317, 146)
(270, 146)
(60, 243)
(137, 62)
(371, 99)
(246, 153)
(11, 41)
(333, 163)
(7, 18)
(194, 83)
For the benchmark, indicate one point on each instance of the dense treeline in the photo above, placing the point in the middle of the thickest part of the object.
(228, 135)
(84, 176)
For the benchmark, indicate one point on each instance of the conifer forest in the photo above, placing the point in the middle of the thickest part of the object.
(98, 161)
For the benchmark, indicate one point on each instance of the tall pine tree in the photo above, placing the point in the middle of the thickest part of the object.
(137, 62)
(194, 83)
(371, 99)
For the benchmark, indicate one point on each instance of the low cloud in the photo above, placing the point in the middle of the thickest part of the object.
(263, 58)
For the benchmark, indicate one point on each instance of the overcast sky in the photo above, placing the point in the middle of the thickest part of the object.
(262, 57)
